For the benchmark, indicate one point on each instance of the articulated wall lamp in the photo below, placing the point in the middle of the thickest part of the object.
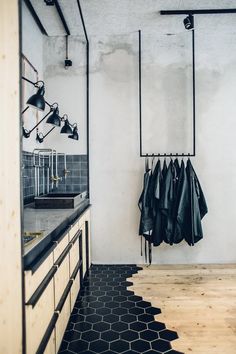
(37, 100)
(66, 129)
(75, 134)
(54, 118)
(26, 133)
(189, 22)
(40, 137)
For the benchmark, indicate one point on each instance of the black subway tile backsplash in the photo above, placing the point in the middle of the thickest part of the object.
(75, 181)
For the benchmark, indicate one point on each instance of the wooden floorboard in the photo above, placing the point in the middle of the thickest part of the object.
(197, 301)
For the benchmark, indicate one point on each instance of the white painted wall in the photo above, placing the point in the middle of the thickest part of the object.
(117, 169)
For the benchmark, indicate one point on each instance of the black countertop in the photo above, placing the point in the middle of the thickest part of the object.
(53, 223)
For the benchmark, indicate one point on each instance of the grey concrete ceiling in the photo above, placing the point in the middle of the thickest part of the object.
(114, 17)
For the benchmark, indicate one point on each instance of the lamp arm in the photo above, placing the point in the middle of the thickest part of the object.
(49, 132)
(39, 122)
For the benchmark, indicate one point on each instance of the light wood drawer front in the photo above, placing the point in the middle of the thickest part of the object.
(38, 318)
(74, 256)
(62, 322)
(61, 279)
(32, 281)
(75, 290)
(51, 346)
(61, 246)
(73, 230)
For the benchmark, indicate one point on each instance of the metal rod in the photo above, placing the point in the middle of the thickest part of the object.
(198, 12)
(140, 89)
(87, 113)
(30, 131)
(194, 90)
(82, 19)
(167, 155)
(31, 82)
(30, 64)
(60, 13)
(66, 47)
(49, 132)
(35, 17)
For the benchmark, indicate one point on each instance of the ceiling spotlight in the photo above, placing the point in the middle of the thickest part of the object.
(75, 134)
(37, 100)
(189, 22)
(66, 129)
(54, 117)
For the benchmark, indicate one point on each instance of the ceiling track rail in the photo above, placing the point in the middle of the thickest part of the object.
(35, 17)
(61, 15)
(198, 12)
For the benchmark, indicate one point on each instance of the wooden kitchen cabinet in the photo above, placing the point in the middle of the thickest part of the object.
(52, 289)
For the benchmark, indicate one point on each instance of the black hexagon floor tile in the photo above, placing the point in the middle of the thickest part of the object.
(108, 318)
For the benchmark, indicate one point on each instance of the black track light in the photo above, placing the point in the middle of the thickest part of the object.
(37, 100)
(75, 134)
(66, 129)
(189, 22)
(54, 117)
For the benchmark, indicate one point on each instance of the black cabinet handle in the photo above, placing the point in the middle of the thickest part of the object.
(39, 291)
(63, 255)
(77, 267)
(77, 235)
(47, 334)
(64, 296)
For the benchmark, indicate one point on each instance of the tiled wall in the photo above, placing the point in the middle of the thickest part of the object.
(75, 181)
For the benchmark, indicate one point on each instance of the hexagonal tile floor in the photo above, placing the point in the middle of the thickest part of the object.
(108, 318)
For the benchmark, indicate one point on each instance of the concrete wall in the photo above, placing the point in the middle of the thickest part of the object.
(68, 88)
(117, 169)
(32, 48)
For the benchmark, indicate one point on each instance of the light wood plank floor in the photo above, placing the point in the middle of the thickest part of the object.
(197, 301)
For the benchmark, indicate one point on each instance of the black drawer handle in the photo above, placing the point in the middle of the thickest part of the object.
(75, 238)
(64, 296)
(47, 334)
(77, 267)
(63, 255)
(38, 292)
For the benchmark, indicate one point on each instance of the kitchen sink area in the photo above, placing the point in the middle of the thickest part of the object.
(59, 200)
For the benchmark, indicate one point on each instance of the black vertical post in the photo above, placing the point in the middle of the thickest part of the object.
(194, 92)
(87, 111)
(87, 244)
(140, 90)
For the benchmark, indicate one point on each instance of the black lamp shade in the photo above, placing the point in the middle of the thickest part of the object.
(54, 118)
(75, 134)
(37, 100)
(66, 129)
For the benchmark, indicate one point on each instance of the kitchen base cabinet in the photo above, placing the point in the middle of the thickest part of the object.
(53, 287)
(62, 322)
(38, 316)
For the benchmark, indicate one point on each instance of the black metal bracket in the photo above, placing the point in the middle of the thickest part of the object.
(198, 12)
(61, 15)
(194, 106)
(35, 17)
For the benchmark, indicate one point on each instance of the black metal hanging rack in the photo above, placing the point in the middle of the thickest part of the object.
(178, 12)
(194, 106)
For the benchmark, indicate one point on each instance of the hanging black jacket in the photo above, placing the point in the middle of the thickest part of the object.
(155, 190)
(197, 208)
(181, 205)
(146, 219)
(167, 202)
